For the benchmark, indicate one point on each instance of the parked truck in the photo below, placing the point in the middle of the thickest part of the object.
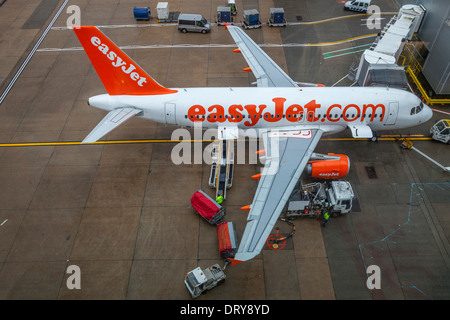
(310, 199)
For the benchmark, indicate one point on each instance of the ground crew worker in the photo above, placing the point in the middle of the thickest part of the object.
(219, 199)
(326, 216)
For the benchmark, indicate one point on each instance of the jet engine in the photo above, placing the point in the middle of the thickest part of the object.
(331, 166)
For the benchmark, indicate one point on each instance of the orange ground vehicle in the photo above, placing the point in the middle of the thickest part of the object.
(226, 234)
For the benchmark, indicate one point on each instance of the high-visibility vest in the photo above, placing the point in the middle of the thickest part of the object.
(219, 199)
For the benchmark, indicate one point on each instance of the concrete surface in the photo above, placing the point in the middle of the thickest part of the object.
(121, 212)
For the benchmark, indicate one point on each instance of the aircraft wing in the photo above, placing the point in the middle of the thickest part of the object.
(111, 121)
(287, 154)
(266, 71)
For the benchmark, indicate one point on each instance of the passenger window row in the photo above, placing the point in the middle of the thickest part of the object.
(351, 116)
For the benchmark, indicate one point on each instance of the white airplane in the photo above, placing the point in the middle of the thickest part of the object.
(294, 117)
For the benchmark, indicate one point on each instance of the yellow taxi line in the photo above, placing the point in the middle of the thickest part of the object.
(342, 41)
(77, 143)
(344, 17)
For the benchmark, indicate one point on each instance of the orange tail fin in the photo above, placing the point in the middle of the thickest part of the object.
(119, 73)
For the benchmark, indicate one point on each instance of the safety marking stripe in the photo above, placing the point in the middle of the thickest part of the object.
(78, 143)
(437, 110)
(30, 55)
(211, 45)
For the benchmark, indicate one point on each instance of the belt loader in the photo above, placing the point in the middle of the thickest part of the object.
(222, 167)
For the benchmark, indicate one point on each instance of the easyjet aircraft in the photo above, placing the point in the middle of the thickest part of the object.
(291, 118)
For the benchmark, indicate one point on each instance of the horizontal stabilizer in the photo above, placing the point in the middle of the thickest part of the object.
(361, 131)
(111, 121)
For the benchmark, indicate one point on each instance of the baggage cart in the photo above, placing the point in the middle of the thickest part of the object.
(277, 18)
(251, 19)
(228, 244)
(207, 208)
(164, 15)
(141, 13)
(224, 15)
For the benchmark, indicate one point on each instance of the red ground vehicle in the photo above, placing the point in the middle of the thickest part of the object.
(206, 207)
(226, 234)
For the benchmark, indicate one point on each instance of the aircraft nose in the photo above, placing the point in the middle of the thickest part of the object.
(428, 113)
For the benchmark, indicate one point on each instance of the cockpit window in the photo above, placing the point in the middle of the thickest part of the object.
(417, 109)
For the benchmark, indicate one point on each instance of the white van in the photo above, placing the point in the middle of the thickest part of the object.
(357, 5)
(193, 23)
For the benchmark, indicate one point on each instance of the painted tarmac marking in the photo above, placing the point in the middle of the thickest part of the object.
(443, 186)
(437, 110)
(346, 51)
(30, 55)
(332, 43)
(78, 143)
(264, 45)
(116, 26)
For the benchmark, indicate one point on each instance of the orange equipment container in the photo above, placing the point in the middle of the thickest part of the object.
(226, 234)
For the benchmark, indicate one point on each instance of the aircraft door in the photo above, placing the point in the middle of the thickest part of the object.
(170, 113)
(392, 113)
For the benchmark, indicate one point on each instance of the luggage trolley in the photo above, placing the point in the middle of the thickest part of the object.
(251, 19)
(277, 18)
(141, 13)
(207, 208)
(224, 15)
(164, 15)
(228, 243)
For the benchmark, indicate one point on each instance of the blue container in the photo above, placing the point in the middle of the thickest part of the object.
(141, 13)
(252, 16)
(224, 14)
(277, 15)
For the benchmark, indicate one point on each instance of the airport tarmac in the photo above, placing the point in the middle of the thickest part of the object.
(120, 209)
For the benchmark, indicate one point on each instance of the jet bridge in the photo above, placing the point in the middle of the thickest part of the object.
(222, 167)
(378, 65)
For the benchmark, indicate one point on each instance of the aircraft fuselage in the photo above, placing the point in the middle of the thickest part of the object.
(331, 109)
